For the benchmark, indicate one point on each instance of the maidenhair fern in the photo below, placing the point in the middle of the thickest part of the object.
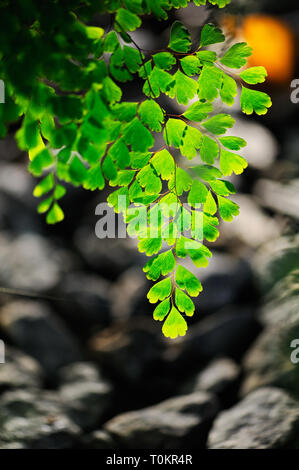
(64, 80)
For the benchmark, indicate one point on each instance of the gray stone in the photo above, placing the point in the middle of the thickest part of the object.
(31, 262)
(99, 440)
(35, 420)
(282, 198)
(35, 329)
(217, 377)
(268, 362)
(108, 256)
(266, 419)
(225, 281)
(171, 424)
(275, 260)
(86, 396)
(262, 148)
(127, 350)
(252, 227)
(226, 333)
(85, 303)
(19, 371)
(79, 372)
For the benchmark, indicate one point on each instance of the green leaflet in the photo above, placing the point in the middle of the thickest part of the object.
(187, 281)
(231, 163)
(126, 20)
(160, 265)
(180, 39)
(175, 324)
(254, 75)
(184, 303)
(164, 164)
(209, 83)
(254, 101)
(160, 291)
(164, 60)
(227, 209)
(191, 65)
(151, 114)
(198, 111)
(186, 87)
(236, 56)
(211, 34)
(219, 124)
(176, 179)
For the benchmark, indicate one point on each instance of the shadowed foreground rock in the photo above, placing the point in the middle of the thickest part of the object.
(35, 420)
(176, 422)
(85, 394)
(19, 371)
(265, 419)
(36, 330)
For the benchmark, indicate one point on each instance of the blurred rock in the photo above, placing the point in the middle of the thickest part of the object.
(227, 333)
(127, 350)
(282, 198)
(275, 260)
(268, 362)
(108, 256)
(36, 330)
(128, 295)
(265, 419)
(262, 148)
(252, 227)
(31, 262)
(9, 150)
(85, 395)
(85, 303)
(18, 206)
(225, 281)
(36, 420)
(172, 424)
(19, 371)
(79, 372)
(282, 302)
(218, 377)
(99, 440)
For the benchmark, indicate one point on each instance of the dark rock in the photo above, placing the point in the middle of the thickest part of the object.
(35, 420)
(225, 281)
(85, 302)
(86, 396)
(128, 295)
(227, 333)
(265, 419)
(109, 257)
(18, 206)
(127, 350)
(36, 330)
(19, 371)
(268, 362)
(9, 151)
(169, 425)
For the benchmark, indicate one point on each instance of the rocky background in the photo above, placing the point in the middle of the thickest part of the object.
(87, 367)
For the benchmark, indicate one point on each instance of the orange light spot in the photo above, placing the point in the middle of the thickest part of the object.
(273, 46)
